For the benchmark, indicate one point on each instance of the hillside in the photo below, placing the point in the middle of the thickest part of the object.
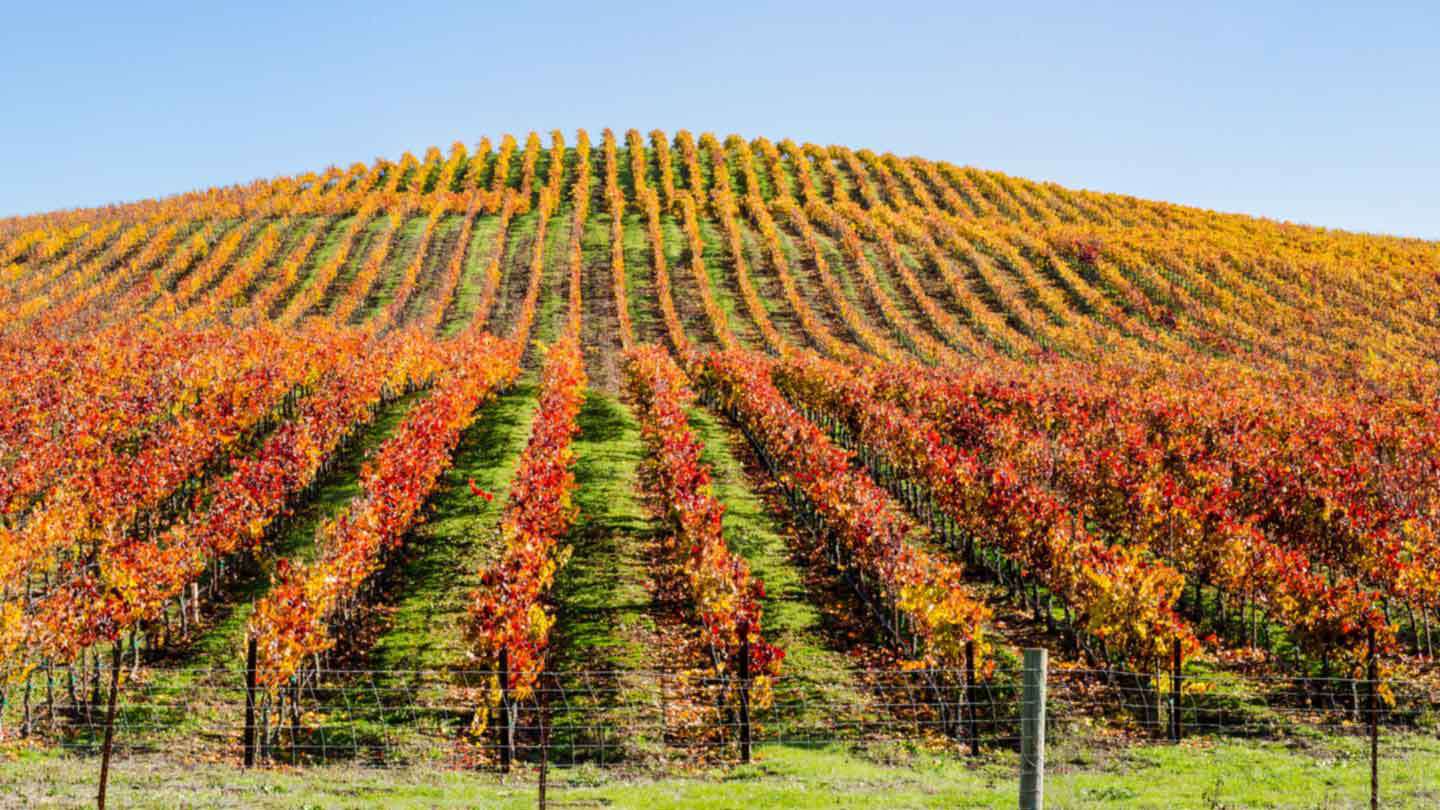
(615, 422)
(899, 256)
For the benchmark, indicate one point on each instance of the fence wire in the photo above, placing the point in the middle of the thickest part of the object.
(631, 717)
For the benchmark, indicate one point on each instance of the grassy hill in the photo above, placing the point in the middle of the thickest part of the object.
(1108, 426)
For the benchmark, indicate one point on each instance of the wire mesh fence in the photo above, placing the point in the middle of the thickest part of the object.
(652, 718)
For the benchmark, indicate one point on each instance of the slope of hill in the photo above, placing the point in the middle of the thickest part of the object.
(950, 413)
(901, 256)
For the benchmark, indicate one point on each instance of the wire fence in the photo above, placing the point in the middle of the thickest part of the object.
(652, 718)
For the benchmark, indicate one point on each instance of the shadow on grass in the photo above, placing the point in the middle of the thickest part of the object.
(603, 607)
(399, 710)
(193, 692)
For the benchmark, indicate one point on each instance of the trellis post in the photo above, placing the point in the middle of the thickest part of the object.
(249, 741)
(744, 692)
(109, 726)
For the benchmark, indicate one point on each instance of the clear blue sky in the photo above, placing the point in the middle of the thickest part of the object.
(1295, 111)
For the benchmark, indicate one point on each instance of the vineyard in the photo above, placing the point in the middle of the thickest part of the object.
(663, 453)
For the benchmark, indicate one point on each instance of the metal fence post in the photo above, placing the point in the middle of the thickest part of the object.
(249, 742)
(971, 698)
(744, 692)
(1177, 680)
(507, 729)
(1373, 709)
(1032, 731)
(544, 743)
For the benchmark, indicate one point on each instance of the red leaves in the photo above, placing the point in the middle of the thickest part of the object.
(1288, 497)
(507, 612)
(218, 387)
(394, 487)
(480, 493)
(676, 487)
(993, 499)
(863, 517)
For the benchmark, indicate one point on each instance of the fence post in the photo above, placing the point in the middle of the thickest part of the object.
(249, 742)
(745, 692)
(507, 732)
(544, 742)
(1176, 684)
(1032, 730)
(1373, 710)
(971, 700)
(109, 727)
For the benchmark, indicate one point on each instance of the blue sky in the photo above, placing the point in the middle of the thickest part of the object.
(1296, 111)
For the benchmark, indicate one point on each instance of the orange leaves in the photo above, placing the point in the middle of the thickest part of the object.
(863, 519)
(650, 201)
(676, 487)
(354, 296)
(411, 273)
(113, 574)
(580, 202)
(615, 199)
(507, 613)
(1276, 496)
(1116, 593)
(292, 621)
(549, 199)
(719, 322)
(1296, 471)
(727, 210)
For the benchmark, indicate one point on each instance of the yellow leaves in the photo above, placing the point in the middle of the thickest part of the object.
(947, 616)
(12, 632)
(762, 692)
(540, 622)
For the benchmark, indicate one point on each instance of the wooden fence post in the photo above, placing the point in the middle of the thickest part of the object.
(109, 726)
(1032, 731)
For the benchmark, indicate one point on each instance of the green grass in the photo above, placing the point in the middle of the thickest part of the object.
(890, 283)
(555, 279)
(599, 323)
(767, 285)
(379, 296)
(603, 607)
(420, 635)
(180, 698)
(683, 287)
(472, 282)
(332, 494)
(603, 602)
(640, 281)
(814, 671)
(718, 268)
(292, 238)
(436, 577)
(329, 243)
(443, 244)
(1202, 776)
(432, 577)
(366, 240)
(514, 271)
